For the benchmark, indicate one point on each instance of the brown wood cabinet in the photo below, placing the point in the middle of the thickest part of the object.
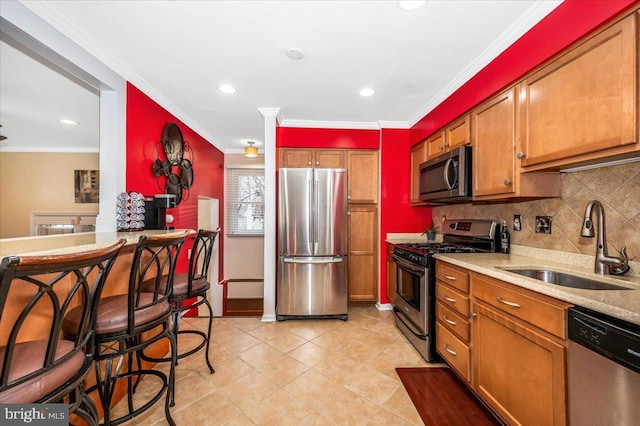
(583, 105)
(452, 317)
(518, 362)
(362, 176)
(507, 342)
(318, 158)
(456, 134)
(496, 175)
(418, 156)
(362, 256)
(391, 274)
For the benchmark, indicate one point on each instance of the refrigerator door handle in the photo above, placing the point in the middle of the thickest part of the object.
(312, 214)
(316, 215)
(314, 260)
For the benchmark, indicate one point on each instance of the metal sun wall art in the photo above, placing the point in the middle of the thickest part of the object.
(173, 167)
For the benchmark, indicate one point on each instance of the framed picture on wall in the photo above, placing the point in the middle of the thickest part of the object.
(87, 186)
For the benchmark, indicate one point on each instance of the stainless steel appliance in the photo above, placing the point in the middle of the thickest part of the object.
(604, 370)
(312, 243)
(415, 300)
(447, 178)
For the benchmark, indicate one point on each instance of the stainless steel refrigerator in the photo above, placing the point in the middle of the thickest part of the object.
(312, 243)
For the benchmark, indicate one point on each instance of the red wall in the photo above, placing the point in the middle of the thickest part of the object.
(298, 137)
(396, 215)
(145, 122)
(569, 22)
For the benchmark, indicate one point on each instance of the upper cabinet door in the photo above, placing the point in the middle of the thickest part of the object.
(584, 102)
(296, 158)
(494, 146)
(458, 133)
(329, 159)
(418, 156)
(436, 145)
(362, 176)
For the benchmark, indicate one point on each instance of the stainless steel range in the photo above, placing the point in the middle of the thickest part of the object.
(415, 299)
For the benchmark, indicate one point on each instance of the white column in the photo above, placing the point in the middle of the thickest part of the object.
(270, 256)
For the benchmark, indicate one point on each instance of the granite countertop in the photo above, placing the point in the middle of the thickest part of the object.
(410, 238)
(70, 243)
(622, 304)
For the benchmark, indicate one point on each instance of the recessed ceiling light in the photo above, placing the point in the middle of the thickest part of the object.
(69, 122)
(410, 4)
(295, 53)
(367, 91)
(227, 88)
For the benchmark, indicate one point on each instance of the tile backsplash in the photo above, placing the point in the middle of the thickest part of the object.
(616, 187)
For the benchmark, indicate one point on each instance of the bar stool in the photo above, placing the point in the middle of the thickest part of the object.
(42, 290)
(128, 323)
(192, 285)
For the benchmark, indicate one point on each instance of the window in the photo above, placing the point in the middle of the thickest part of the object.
(245, 201)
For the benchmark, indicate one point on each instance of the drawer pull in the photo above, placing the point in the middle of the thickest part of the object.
(449, 299)
(449, 350)
(512, 304)
(449, 277)
(444, 317)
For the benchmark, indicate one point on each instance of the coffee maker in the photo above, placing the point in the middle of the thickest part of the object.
(156, 210)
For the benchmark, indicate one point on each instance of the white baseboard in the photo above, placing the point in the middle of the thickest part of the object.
(384, 306)
(268, 318)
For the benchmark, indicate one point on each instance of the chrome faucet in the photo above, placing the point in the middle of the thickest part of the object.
(604, 263)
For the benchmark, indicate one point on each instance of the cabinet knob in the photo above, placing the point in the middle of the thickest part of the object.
(317, 163)
(520, 154)
(440, 148)
(309, 163)
(507, 182)
(447, 145)
(348, 197)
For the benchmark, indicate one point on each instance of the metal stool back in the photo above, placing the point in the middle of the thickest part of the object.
(42, 367)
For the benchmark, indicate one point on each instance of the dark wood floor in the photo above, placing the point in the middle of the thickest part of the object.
(441, 399)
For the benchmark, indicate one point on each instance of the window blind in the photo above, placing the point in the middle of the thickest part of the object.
(245, 201)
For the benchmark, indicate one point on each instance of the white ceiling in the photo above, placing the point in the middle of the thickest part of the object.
(178, 52)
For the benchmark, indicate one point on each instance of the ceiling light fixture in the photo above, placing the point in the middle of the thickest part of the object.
(251, 151)
(367, 91)
(227, 88)
(295, 53)
(69, 122)
(410, 4)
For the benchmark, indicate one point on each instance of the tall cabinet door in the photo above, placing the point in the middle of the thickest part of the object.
(494, 138)
(363, 176)
(363, 237)
(295, 208)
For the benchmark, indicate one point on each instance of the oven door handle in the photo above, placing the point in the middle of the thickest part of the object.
(407, 265)
(412, 328)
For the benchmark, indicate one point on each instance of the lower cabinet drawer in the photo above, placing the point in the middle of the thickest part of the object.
(454, 351)
(453, 321)
(453, 299)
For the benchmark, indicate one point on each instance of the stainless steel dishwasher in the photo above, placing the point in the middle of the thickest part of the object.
(604, 370)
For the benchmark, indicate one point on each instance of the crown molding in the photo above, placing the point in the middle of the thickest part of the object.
(320, 124)
(534, 15)
(393, 124)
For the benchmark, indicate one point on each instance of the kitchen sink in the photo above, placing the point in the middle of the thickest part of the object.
(565, 280)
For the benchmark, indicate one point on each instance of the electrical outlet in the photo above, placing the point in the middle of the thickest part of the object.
(543, 224)
(517, 222)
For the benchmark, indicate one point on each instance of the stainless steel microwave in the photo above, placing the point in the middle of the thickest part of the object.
(447, 178)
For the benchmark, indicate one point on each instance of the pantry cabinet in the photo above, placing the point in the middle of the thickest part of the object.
(363, 256)
(362, 176)
(496, 174)
(583, 105)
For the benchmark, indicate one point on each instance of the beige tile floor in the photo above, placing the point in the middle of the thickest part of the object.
(296, 372)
